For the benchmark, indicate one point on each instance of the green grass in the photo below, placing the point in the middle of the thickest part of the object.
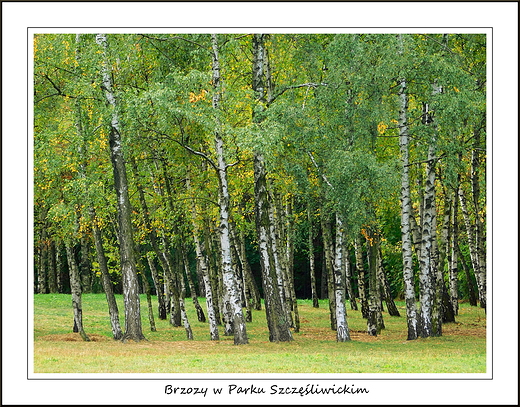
(461, 349)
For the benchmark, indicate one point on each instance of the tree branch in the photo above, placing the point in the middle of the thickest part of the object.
(318, 168)
(302, 85)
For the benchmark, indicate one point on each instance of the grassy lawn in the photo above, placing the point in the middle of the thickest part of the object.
(461, 349)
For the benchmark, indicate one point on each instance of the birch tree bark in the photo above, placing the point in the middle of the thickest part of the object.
(200, 252)
(406, 213)
(75, 287)
(105, 278)
(342, 331)
(358, 249)
(453, 261)
(277, 321)
(312, 263)
(228, 275)
(133, 329)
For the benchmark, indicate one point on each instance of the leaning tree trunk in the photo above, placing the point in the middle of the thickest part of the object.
(385, 286)
(133, 329)
(113, 310)
(406, 214)
(75, 287)
(473, 249)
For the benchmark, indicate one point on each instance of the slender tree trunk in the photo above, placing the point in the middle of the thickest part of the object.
(202, 261)
(329, 259)
(480, 239)
(148, 293)
(375, 318)
(113, 310)
(133, 329)
(469, 281)
(51, 261)
(159, 287)
(473, 250)
(200, 313)
(278, 324)
(406, 214)
(454, 263)
(248, 274)
(312, 263)
(85, 266)
(385, 286)
(59, 266)
(361, 277)
(75, 287)
(290, 262)
(348, 278)
(342, 331)
(228, 276)
(275, 313)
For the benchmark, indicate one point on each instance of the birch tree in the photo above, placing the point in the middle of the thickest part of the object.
(133, 329)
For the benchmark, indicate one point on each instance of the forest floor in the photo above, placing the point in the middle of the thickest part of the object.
(460, 349)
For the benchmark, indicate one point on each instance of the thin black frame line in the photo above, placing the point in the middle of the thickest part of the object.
(273, 378)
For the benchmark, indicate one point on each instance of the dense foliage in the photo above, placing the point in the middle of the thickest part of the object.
(327, 125)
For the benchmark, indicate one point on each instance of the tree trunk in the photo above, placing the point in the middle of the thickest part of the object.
(361, 277)
(159, 288)
(329, 259)
(148, 293)
(200, 313)
(406, 214)
(133, 329)
(375, 318)
(228, 275)
(200, 252)
(348, 278)
(290, 262)
(85, 266)
(426, 278)
(342, 331)
(471, 288)
(113, 310)
(276, 315)
(454, 263)
(52, 273)
(312, 264)
(473, 250)
(275, 312)
(480, 239)
(385, 286)
(75, 287)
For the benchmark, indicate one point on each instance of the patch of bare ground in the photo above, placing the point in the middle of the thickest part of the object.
(74, 337)
(464, 329)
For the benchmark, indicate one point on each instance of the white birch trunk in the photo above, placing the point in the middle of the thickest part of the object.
(342, 331)
(228, 275)
(406, 213)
